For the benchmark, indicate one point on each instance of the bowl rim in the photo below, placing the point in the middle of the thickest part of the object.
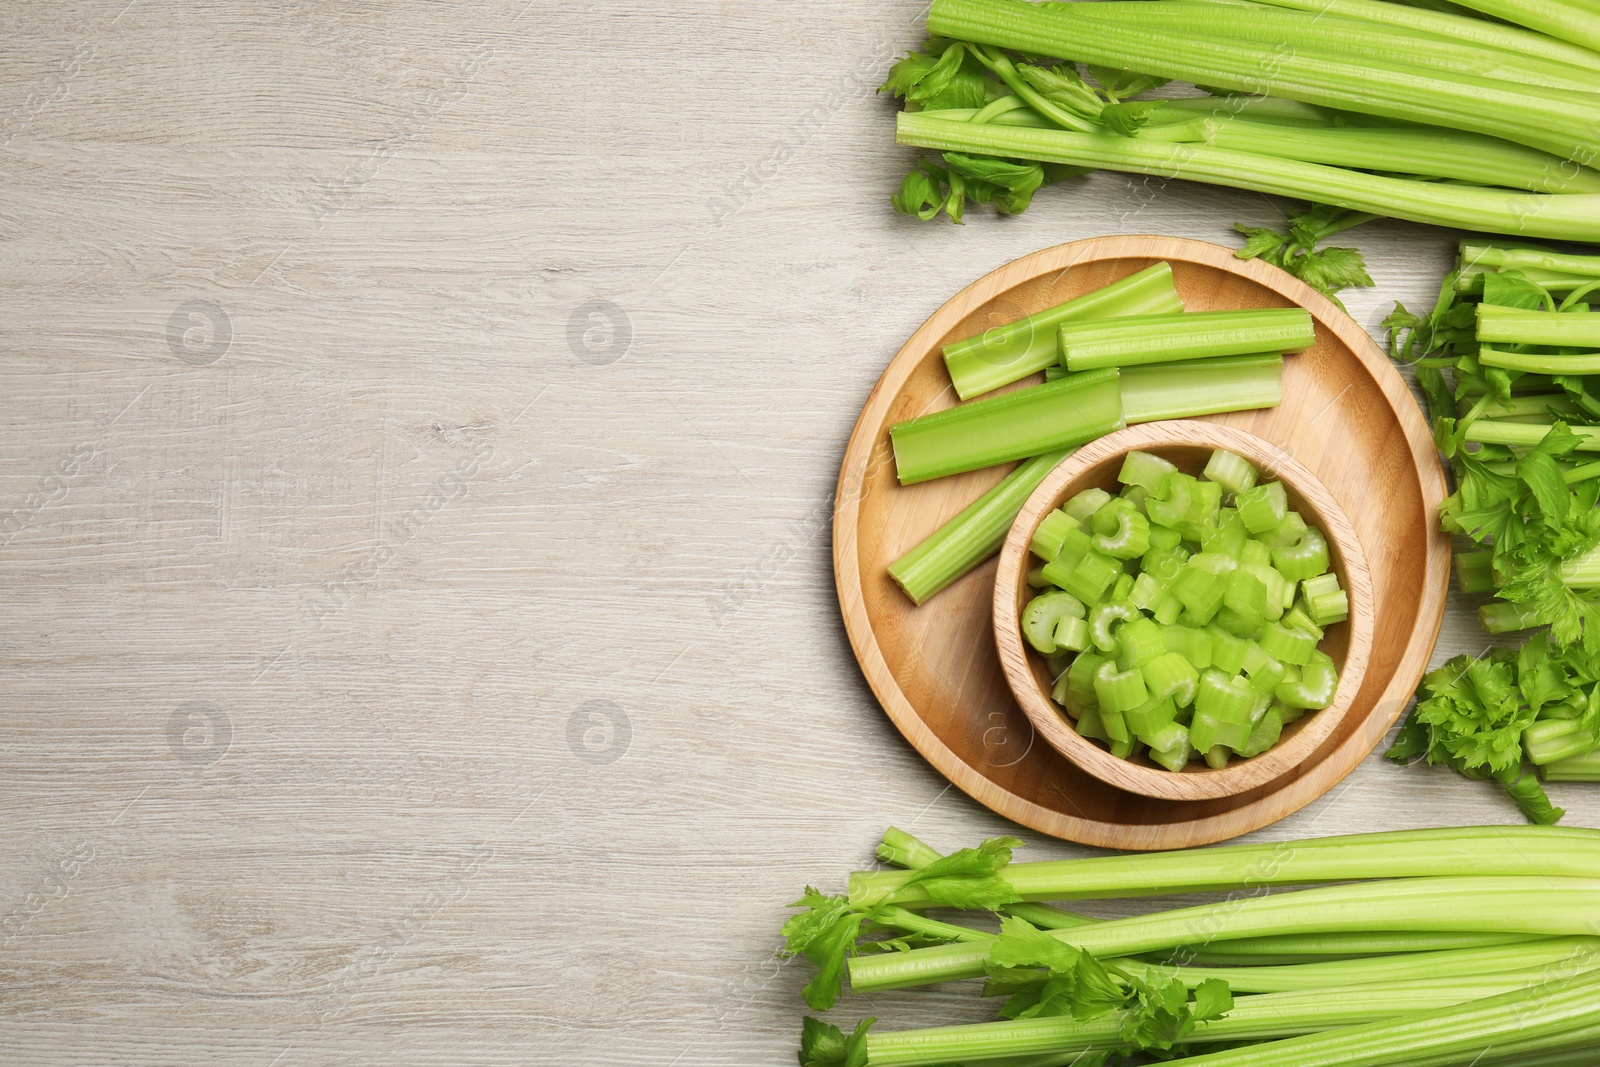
(1346, 556)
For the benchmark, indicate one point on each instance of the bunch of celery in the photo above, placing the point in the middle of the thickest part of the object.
(1179, 626)
(1147, 360)
(1367, 106)
(1514, 330)
(1439, 947)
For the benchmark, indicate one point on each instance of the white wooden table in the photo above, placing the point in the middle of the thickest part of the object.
(419, 427)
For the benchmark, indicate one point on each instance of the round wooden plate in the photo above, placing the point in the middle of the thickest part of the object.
(1346, 415)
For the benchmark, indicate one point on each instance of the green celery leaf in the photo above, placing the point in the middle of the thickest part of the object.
(1127, 118)
(1540, 473)
(1260, 242)
(1511, 289)
(970, 877)
(1212, 1000)
(919, 195)
(1530, 796)
(825, 934)
(1062, 86)
(1118, 85)
(1331, 269)
(1021, 944)
(1539, 675)
(824, 1045)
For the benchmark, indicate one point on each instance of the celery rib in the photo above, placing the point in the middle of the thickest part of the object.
(973, 535)
(1574, 216)
(1143, 339)
(1514, 326)
(1017, 425)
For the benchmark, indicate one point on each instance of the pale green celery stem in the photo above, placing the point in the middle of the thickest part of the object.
(1201, 387)
(1475, 570)
(1578, 769)
(1355, 38)
(1480, 256)
(906, 850)
(1143, 339)
(997, 107)
(1581, 572)
(1555, 120)
(1500, 325)
(1526, 435)
(1547, 906)
(1470, 280)
(1505, 618)
(1483, 850)
(1467, 30)
(1428, 151)
(1010, 352)
(973, 535)
(1577, 21)
(1581, 953)
(1541, 362)
(1571, 217)
(912, 922)
(1273, 109)
(1286, 949)
(1551, 1015)
(1253, 1018)
(1545, 404)
(1016, 425)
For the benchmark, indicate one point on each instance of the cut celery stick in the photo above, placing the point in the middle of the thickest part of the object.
(1011, 352)
(975, 534)
(1143, 339)
(1517, 326)
(1541, 362)
(1015, 425)
(1526, 435)
(1201, 387)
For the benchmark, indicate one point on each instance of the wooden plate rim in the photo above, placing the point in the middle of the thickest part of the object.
(1204, 783)
(859, 455)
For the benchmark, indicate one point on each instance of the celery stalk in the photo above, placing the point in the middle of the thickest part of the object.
(1457, 27)
(1011, 352)
(1584, 768)
(1555, 851)
(1427, 151)
(973, 535)
(1538, 905)
(1314, 948)
(1201, 387)
(1353, 37)
(1541, 362)
(1526, 435)
(1577, 21)
(1142, 339)
(1016, 425)
(1498, 257)
(1253, 1018)
(1573, 216)
(1514, 326)
(1556, 120)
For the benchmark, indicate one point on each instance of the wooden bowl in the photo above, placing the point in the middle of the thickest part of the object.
(1187, 443)
(1347, 416)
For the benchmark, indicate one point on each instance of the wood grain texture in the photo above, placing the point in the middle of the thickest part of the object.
(1188, 444)
(405, 635)
(935, 669)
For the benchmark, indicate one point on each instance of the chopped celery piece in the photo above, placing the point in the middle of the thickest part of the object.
(1080, 676)
(1254, 554)
(1091, 725)
(1140, 339)
(1091, 579)
(1216, 756)
(1105, 616)
(1146, 469)
(1192, 644)
(1009, 353)
(1201, 387)
(1173, 507)
(1247, 595)
(1263, 508)
(1298, 619)
(1172, 675)
(1318, 679)
(1164, 565)
(1123, 748)
(1290, 533)
(1224, 698)
(1052, 531)
(1072, 634)
(1036, 577)
(1288, 645)
(1326, 603)
(1265, 674)
(1227, 651)
(1131, 536)
(1170, 738)
(1044, 613)
(1169, 611)
(973, 535)
(1165, 537)
(1122, 588)
(1118, 691)
(1200, 592)
(1305, 559)
(1210, 734)
(1226, 536)
(1016, 425)
(1152, 715)
(1139, 641)
(1174, 759)
(1083, 505)
(1148, 591)
(1266, 732)
(1231, 471)
(1280, 591)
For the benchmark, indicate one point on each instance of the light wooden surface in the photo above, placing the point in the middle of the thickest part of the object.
(407, 660)
(1299, 752)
